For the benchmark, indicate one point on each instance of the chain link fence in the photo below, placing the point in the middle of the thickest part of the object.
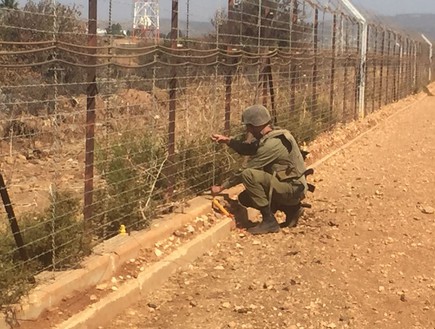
(102, 127)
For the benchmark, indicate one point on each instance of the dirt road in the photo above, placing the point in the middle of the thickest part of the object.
(363, 257)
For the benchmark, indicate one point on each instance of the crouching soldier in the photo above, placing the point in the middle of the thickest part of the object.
(274, 176)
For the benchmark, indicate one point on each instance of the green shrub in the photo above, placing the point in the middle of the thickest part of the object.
(53, 240)
(132, 171)
(202, 164)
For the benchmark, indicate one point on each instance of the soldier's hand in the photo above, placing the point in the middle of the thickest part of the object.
(221, 139)
(216, 189)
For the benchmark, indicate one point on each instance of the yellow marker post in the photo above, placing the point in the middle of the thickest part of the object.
(122, 230)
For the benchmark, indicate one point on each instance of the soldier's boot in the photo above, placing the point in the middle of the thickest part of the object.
(268, 225)
(292, 215)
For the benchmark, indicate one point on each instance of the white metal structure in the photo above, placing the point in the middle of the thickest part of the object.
(146, 22)
(430, 55)
(363, 54)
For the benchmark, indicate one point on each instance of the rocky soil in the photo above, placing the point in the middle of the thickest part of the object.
(362, 257)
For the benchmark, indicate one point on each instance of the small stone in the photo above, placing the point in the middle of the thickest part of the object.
(190, 229)
(114, 280)
(102, 286)
(152, 305)
(381, 288)
(403, 298)
(179, 234)
(331, 325)
(428, 210)
(193, 303)
(158, 252)
(241, 309)
(219, 267)
(226, 305)
(132, 260)
(232, 324)
(256, 242)
(344, 318)
(268, 284)
(93, 298)
(114, 288)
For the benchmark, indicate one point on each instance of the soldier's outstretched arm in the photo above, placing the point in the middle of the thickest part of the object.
(242, 148)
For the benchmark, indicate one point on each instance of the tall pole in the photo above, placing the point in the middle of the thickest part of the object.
(332, 82)
(293, 68)
(363, 56)
(90, 112)
(229, 75)
(430, 55)
(172, 103)
(315, 73)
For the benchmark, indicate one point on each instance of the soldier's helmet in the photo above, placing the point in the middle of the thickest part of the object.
(256, 115)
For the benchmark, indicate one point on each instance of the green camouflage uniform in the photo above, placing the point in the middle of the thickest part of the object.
(274, 173)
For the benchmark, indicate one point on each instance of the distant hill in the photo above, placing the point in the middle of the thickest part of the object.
(417, 23)
(195, 28)
(413, 23)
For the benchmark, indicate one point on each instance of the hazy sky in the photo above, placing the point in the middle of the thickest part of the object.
(202, 10)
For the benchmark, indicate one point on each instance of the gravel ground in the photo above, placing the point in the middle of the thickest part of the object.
(362, 257)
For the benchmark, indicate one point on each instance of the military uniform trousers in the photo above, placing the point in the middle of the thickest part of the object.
(261, 186)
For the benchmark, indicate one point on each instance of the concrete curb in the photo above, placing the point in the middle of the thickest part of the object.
(106, 260)
(103, 311)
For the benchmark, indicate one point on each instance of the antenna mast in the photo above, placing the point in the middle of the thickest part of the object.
(146, 22)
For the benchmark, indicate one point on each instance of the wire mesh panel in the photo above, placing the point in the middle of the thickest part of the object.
(105, 120)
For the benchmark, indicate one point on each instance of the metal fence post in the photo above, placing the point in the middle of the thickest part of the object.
(172, 103)
(395, 68)
(375, 66)
(381, 78)
(315, 48)
(229, 74)
(293, 20)
(387, 82)
(363, 56)
(430, 55)
(271, 89)
(364, 73)
(12, 220)
(90, 112)
(408, 66)
(332, 81)
(363, 68)
(346, 69)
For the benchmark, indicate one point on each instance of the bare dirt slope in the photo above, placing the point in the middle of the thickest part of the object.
(363, 257)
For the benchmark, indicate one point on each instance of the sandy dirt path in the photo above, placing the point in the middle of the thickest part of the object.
(363, 257)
